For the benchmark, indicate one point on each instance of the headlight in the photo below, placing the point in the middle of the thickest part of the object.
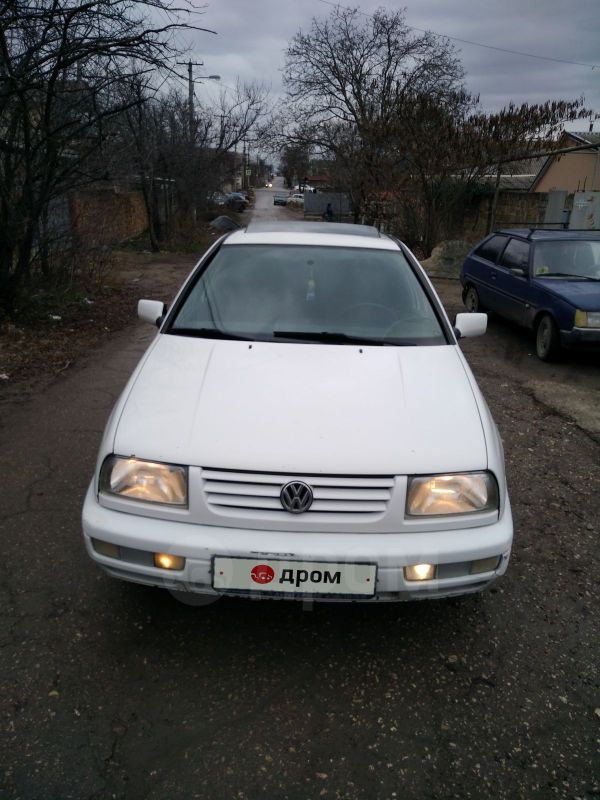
(451, 494)
(144, 480)
(587, 319)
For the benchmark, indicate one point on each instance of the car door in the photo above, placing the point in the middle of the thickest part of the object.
(480, 269)
(513, 287)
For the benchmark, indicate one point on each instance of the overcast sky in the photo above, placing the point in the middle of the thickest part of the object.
(253, 34)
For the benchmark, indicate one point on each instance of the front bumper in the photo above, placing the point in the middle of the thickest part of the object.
(139, 537)
(581, 337)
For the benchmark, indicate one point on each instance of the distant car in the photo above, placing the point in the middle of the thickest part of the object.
(236, 201)
(280, 198)
(545, 280)
(304, 425)
(217, 199)
(268, 185)
(295, 199)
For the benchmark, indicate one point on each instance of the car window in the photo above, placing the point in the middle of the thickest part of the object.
(575, 259)
(491, 248)
(516, 254)
(255, 290)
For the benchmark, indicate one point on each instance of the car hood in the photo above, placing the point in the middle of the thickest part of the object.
(304, 408)
(581, 294)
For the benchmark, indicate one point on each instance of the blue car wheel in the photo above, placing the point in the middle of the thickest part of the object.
(471, 300)
(547, 339)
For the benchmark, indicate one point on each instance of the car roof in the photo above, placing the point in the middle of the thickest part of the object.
(544, 235)
(330, 234)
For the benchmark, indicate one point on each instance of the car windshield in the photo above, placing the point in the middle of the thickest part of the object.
(571, 260)
(309, 293)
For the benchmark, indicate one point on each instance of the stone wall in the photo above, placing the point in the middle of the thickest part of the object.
(102, 216)
(514, 210)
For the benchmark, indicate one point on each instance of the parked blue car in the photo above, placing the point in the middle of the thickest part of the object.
(547, 281)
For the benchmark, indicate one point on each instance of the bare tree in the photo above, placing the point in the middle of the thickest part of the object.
(237, 115)
(449, 150)
(60, 66)
(138, 146)
(388, 108)
(178, 161)
(295, 162)
(346, 78)
(234, 121)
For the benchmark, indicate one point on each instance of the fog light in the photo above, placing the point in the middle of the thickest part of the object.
(168, 561)
(484, 565)
(106, 548)
(420, 572)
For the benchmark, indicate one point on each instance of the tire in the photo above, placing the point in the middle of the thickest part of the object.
(471, 300)
(547, 339)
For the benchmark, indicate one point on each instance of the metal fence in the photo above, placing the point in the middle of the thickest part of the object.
(315, 204)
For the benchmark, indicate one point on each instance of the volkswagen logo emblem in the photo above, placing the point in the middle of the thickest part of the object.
(296, 497)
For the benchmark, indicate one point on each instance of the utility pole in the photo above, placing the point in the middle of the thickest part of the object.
(244, 164)
(190, 65)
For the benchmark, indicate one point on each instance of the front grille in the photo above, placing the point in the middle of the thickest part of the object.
(257, 494)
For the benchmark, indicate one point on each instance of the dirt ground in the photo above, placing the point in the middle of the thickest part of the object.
(33, 356)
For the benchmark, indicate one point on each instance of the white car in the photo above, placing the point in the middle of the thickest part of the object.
(304, 425)
(295, 199)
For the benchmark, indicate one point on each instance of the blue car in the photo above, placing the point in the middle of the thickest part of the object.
(547, 281)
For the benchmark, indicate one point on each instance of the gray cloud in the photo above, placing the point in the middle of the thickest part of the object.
(252, 36)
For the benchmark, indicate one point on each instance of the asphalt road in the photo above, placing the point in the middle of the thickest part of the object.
(112, 690)
(265, 211)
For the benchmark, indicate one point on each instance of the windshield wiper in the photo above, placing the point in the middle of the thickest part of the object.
(567, 275)
(209, 333)
(332, 337)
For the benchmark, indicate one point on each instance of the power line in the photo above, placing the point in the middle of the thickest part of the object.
(477, 44)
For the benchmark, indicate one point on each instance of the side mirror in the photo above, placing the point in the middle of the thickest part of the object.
(519, 272)
(151, 311)
(470, 325)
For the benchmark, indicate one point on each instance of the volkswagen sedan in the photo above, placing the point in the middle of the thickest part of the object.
(304, 425)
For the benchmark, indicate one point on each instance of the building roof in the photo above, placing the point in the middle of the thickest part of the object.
(579, 138)
(517, 174)
(584, 137)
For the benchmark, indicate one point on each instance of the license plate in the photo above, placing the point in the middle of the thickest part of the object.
(274, 576)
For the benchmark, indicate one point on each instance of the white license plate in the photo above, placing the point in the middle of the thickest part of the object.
(274, 576)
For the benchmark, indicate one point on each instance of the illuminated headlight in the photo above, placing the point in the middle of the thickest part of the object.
(144, 480)
(451, 494)
(419, 572)
(168, 561)
(587, 319)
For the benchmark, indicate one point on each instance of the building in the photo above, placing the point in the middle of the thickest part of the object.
(578, 171)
